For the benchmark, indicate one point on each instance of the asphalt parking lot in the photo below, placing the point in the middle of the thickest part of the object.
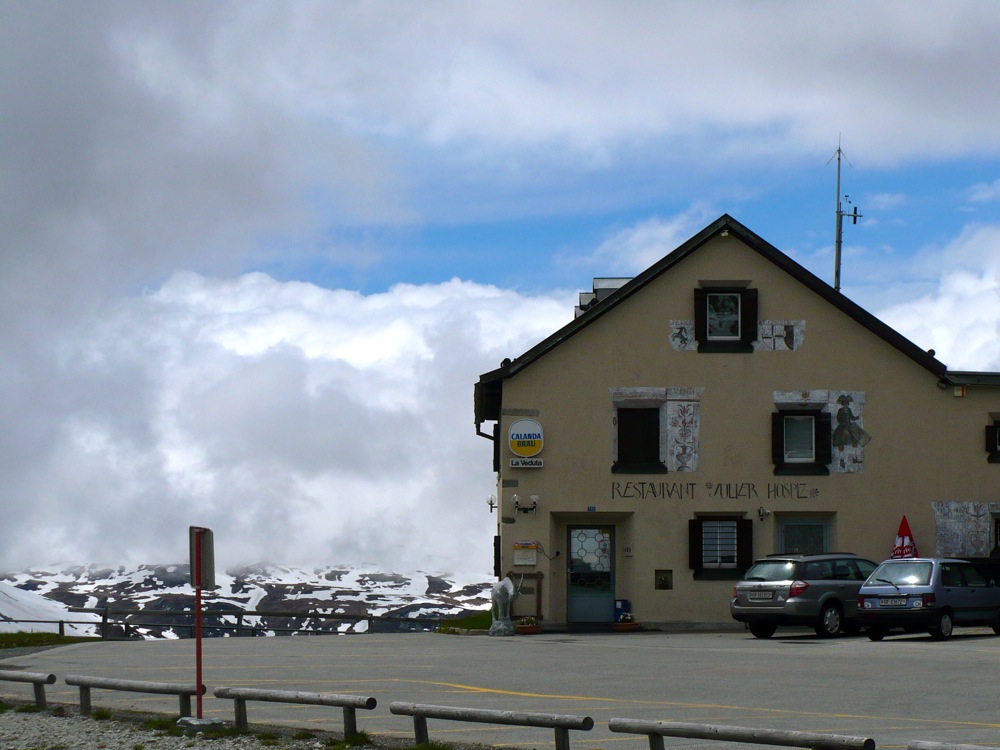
(897, 691)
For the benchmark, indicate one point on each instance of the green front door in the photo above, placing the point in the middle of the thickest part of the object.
(591, 574)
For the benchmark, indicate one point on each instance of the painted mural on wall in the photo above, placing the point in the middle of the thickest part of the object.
(849, 437)
(965, 528)
(772, 335)
(684, 420)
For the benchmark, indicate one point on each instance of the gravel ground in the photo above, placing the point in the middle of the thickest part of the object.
(58, 728)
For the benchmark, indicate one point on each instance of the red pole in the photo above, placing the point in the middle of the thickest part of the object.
(197, 618)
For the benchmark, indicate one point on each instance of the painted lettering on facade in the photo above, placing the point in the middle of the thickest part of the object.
(643, 490)
(719, 490)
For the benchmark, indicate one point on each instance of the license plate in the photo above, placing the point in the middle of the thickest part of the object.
(895, 601)
(759, 595)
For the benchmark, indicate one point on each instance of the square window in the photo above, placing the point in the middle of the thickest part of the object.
(718, 544)
(801, 442)
(725, 318)
(638, 440)
(800, 439)
(803, 536)
(720, 548)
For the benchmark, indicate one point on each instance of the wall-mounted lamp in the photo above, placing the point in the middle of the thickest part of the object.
(762, 513)
(529, 507)
(492, 502)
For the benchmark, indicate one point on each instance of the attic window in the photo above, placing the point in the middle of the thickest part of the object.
(725, 316)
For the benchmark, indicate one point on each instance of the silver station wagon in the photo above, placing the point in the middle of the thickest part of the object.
(816, 590)
(932, 594)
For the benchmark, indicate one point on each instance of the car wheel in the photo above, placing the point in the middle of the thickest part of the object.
(941, 631)
(996, 626)
(874, 634)
(763, 629)
(830, 622)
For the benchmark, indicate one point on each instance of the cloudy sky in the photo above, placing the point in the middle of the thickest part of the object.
(253, 256)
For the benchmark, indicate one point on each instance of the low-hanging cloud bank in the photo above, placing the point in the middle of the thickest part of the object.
(303, 425)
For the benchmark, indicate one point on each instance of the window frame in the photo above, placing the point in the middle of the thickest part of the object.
(634, 462)
(640, 398)
(822, 443)
(744, 548)
(782, 524)
(747, 317)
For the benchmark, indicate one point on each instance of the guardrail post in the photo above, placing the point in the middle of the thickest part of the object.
(84, 700)
(420, 730)
(350, 722)
(240, 710)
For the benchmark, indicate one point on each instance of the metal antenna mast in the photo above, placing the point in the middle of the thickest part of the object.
(839, 241)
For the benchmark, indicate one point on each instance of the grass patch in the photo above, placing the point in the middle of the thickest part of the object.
(29, 640)
(29, 708)
(480, 620)
(219, 731)
(302, 734)
(361, 739)
(434, 746)
(100, 714)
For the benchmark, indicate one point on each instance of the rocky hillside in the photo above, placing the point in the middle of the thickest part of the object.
(286, 599)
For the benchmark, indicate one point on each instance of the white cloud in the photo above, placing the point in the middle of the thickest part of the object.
(301, 424)
(960, 317)
(984, 192)
(633, 249)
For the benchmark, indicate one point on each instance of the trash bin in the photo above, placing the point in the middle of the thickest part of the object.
(621, 606)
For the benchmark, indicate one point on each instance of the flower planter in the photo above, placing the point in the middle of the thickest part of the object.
(626, 627)
(527, 629)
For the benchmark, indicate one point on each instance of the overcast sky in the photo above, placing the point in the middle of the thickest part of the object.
(254, 256)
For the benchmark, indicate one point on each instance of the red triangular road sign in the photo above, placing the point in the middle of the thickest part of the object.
(904, 546)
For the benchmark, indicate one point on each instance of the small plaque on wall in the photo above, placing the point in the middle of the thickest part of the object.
(525, 553)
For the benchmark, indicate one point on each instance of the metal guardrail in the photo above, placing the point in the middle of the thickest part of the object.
(37, 679)
(561, 723)
(657, 730)
(350, 703)
(181, 690)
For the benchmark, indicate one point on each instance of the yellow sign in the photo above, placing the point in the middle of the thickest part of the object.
(525, 438)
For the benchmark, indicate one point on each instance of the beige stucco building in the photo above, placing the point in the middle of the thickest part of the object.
(722, 405)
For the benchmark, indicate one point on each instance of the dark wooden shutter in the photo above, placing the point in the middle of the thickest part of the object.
(701, 315)
(992, 432)
(748, 316)
(639, 438)
(777, 438)
(496, 447)
(694, 543)
(744, 544)
(824, 438)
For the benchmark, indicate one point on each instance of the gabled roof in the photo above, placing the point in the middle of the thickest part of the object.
(489, 389)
